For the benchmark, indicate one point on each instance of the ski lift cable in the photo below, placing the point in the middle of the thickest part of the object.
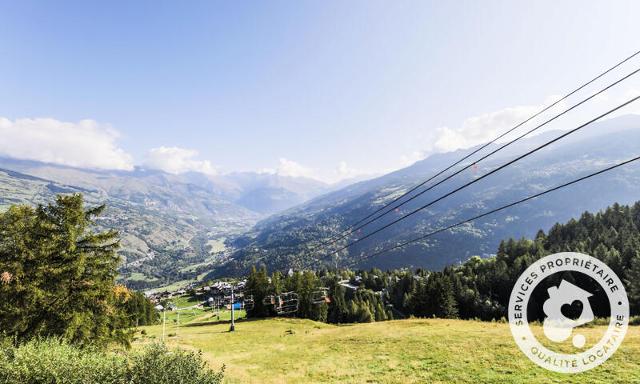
(414, 188)
(401, 245)
(584, 85)
(491, 172)
(395, 200)
(489, 154)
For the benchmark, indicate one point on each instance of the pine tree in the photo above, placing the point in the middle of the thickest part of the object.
(59, 274)
(276, 283)
(445, 305)
(258, 286)
(633, 283)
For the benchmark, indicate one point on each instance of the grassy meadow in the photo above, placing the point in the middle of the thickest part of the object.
(283, 350)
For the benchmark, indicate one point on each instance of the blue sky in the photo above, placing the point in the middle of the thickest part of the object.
(326, 89)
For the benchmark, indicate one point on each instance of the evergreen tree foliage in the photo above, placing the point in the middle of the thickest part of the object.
(478, 288)
(57, 275)
(258, 286)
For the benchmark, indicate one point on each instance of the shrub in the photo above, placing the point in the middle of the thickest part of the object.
(158, 365)
(52, 361)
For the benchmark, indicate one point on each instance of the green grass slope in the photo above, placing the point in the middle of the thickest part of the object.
(405, 351)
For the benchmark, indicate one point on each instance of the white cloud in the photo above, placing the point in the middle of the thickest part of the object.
(408, 160)
(479, 129)
(344, 172)
(292, 168)
(83, 144)
(177, 160)
(289, 168)
(483, 128)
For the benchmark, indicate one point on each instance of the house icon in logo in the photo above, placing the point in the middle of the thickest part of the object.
(557, 327)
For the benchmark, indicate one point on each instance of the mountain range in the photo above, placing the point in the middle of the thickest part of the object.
(171, 226)
(192, 225)
(291, 238)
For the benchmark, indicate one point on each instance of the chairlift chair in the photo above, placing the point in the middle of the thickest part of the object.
(321, 295)
(269, 300)
(287, 303)
(248, 302)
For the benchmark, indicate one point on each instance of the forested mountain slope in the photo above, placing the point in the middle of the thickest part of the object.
(286, 240)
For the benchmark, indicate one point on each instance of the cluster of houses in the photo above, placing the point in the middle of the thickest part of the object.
(159, 296)
(217, 295)
(352, 285)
